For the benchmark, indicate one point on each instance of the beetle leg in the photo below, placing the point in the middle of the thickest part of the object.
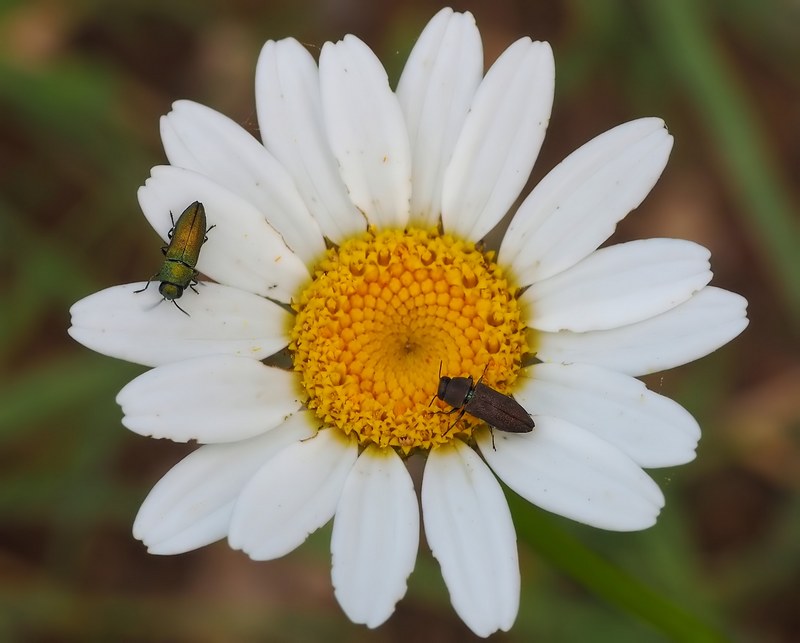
(193, 282)
(451, 411)
(181, 309)
(460, 415)
(147, 284)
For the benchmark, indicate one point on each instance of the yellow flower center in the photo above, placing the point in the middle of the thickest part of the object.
(382, 314)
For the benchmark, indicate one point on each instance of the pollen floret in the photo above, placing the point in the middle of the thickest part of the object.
(384, 312)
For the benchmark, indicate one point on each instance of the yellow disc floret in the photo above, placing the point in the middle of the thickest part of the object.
(382, 314)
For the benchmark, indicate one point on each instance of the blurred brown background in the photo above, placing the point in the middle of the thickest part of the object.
(82, 85)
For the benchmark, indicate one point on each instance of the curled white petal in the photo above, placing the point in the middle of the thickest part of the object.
(500, 139)
(567, 470)
(198, 138)
(435, 91)
(576, 207)
(227, 398)
(366, 131)
(651, 429)
(697, 327)
(375, 537)
(243, 250)
(470, 532)
(289, 109)
(619, 285)
(192, 504)
(292, 495)
(142, 328)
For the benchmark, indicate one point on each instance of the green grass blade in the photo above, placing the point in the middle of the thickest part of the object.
(687, 44)
(602, 578)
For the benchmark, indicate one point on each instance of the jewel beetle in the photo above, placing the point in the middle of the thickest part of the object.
(499, 411)
(178, 271)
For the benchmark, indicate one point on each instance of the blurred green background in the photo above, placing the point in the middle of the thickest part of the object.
(82, 85)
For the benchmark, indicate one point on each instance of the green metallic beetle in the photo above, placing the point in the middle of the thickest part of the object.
(178, 271)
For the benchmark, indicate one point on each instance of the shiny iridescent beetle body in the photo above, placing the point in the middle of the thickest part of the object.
(499, 411)
(178, 271)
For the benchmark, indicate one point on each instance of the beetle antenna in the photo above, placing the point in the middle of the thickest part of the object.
(435, 395)
(482, 374)
(178, 307)
(155, 304)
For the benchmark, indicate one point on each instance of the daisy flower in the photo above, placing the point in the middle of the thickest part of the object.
(348, 271)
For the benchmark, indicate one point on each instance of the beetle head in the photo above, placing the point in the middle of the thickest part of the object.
(455, 390)
(170, 291)
(443, 384)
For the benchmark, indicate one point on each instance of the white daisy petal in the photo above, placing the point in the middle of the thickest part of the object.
(500, 139)
(470, 532)
(144, 329)
(375, 537)
(192, 504)
(568, 471)
(233, 398)
(435, 91)
(290, 119)
(292, 495)
(578, 204)
(366, 131)
(651, 429)
(243, 250)
(198, 138)
(619, 285)
(697, 327)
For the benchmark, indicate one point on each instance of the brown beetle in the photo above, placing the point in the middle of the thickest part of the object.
(499, 411)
